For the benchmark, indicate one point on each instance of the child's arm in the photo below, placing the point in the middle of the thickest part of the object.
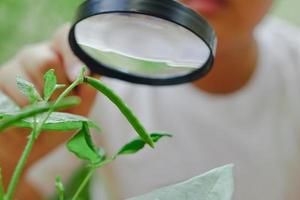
(31, 63)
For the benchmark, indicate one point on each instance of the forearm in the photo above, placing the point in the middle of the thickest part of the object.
(12, 143)
(24, 190)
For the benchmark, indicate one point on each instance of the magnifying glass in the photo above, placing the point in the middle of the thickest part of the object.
(153, 42)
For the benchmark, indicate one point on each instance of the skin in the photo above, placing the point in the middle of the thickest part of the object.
(234, 23)
(32, 62)
(237, 49)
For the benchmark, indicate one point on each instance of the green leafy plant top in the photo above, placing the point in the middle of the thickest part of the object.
(42, 115)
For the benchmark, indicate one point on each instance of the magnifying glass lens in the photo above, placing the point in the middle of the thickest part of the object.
(142, 45)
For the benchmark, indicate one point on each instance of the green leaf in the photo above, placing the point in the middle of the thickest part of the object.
(7, 105)
(28, 89)
(1, 186)
(216, 184)
(58, 121)
(132, 147)
(157, 136)
(11, 118)
(138, 144)
(59, 188)
(83, 147)
(49, 84)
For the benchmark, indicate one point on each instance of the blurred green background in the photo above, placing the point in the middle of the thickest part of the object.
(26, 21)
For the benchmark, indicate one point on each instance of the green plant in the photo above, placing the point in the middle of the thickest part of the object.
(216, 184)
(41, 115)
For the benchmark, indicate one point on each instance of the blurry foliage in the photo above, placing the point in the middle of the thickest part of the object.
(27, 21)
(73, 183)
(288, 9)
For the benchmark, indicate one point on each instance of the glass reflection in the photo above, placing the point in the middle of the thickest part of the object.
(141, 44)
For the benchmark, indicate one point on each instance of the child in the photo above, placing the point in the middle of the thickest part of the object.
(244, 112)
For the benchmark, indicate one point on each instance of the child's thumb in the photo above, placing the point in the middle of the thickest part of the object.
(72, 65)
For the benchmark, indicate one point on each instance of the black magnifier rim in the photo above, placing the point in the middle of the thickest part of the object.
(169, 10)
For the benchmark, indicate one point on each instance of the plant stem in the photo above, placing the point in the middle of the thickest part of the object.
(132, 119)
(20, 166)
(32, 138)
(84, 182)
(58, 100)
(92, 169)
(59, 188)
(1, 186)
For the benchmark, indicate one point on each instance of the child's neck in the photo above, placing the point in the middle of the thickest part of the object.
(233, 68)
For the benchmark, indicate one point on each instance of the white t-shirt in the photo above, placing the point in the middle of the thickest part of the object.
(256, 128)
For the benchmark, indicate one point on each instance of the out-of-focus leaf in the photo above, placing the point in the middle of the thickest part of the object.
(28, 89)
(7, 105)
(138, 144)
(83, 147)
(59, 188)
(49, 84)
(11, 118)
(216, 184)
(157, 136)
(57, 121)
(132, 147)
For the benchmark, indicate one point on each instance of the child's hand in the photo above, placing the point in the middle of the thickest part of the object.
(31, 63)
(34, 60)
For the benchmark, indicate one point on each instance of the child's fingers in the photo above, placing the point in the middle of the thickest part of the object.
(72, 65)
(37, 60)
(8, 84)
(87, 94)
